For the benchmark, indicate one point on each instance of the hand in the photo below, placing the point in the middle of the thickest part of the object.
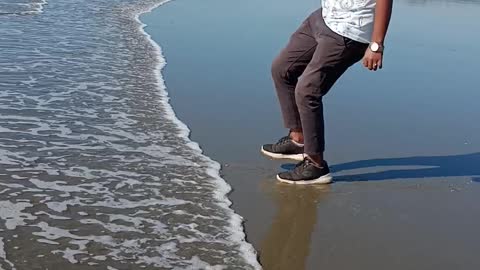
(373, 60)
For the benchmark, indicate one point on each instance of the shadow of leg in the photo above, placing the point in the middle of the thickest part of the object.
(393, 174)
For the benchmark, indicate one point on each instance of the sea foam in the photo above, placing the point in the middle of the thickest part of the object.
(95, 168)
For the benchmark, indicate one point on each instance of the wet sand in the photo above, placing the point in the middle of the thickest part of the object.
(403, 143)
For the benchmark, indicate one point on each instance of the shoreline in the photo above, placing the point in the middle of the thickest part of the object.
(237, 229)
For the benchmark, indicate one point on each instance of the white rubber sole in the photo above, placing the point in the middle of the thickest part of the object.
(298, 157)
(326, 179)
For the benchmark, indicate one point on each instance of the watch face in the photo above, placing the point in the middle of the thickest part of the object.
(374, 47)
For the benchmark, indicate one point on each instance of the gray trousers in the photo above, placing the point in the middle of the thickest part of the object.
(305, 70)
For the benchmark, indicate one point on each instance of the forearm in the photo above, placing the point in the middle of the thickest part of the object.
(383, 13)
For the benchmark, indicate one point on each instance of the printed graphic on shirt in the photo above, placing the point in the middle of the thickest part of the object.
(350, 18)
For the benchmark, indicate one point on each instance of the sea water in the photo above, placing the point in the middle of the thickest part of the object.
(96, 172)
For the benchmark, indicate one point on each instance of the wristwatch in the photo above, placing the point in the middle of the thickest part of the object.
(376, 47)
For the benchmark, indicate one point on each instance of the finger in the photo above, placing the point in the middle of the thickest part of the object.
(367, 63)
(365, 58)
(375, 65)
(370, 64)
(380, 63)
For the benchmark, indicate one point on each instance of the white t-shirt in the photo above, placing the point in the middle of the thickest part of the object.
(350, 18)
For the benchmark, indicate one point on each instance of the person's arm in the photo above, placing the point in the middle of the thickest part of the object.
(383, 12)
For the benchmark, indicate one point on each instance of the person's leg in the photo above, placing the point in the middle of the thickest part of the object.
(333, 55)
(287, 67)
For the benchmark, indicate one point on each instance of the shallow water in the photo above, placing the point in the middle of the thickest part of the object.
(95, 170)
(428, 85)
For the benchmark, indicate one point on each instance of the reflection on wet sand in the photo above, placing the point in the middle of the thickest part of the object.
(287, 243)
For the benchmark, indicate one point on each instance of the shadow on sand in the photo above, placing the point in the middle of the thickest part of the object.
(438, 166)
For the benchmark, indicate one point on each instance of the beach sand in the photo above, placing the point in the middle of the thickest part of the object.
(403, 143)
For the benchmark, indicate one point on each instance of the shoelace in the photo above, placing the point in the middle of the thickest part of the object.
(283, 140)
(302, 164)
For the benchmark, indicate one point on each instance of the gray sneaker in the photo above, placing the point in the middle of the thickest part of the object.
(306, 172)
(285, 148)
